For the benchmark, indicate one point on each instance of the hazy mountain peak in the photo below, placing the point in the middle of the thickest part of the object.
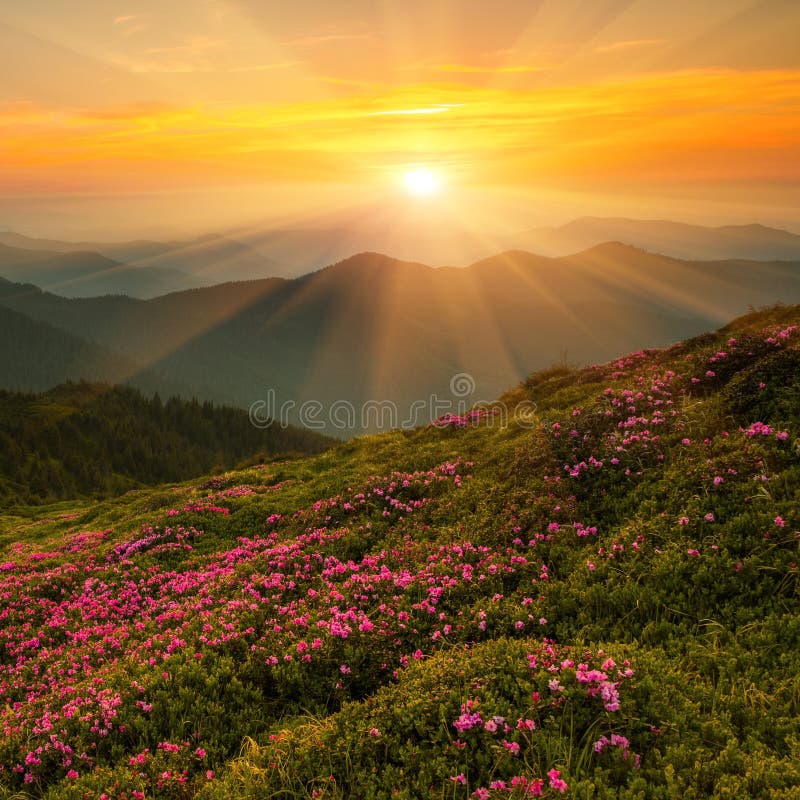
(370, 261)
(611, 249)
(675, 239)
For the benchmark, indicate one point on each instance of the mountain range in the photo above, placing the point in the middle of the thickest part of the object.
(145, 268)
(85, 273)
(677, 239)
(372, 328)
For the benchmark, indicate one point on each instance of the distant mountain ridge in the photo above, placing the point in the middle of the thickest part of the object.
(371, 327)
(84, 273)
(676, 239)
(146, 268)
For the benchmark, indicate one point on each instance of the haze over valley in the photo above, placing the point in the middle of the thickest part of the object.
(370, 327)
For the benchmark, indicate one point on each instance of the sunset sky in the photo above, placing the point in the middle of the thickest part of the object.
(109, 111)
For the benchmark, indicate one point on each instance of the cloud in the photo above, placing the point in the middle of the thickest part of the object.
(498, 70)
(198, 54)
(326, 38)
(657, 129)
(265, 67)
(347, 82)
(190, 46)
(628, 44)
(129, 112)
(186, 68)
(21, 112)
(438, 109)
(130, 23)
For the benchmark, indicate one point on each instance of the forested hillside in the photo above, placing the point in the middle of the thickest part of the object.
(92, 440)
(35, 355)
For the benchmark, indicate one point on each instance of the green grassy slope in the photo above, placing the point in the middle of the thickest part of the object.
(603, 604)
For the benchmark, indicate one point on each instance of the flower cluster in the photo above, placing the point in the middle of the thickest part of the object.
(467, 419)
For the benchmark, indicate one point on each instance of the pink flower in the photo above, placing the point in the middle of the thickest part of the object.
(556, 782)
(469, 719)
(780, 522)
(535, 788)
(72, 775)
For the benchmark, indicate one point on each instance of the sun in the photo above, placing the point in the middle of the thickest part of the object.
(421, 182)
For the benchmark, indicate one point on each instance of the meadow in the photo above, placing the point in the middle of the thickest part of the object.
(601, 605)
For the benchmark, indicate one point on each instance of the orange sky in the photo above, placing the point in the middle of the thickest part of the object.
(626, 101)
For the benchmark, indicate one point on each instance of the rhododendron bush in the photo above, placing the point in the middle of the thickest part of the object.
(603, 605)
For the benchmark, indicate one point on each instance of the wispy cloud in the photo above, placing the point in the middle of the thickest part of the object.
(265, 67)
(326, 38)
(627, 44)
(496, 70)
(437, 109)
(336, 81)
(21, 112)
(134, 111)
(197, 54)
(190, 46)
(187, 68)
(130, 23)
